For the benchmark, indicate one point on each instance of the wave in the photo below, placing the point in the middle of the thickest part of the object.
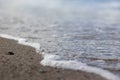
(56, 61)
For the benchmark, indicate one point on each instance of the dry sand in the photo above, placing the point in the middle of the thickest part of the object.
(19, 62)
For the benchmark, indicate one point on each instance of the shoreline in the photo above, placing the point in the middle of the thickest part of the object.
(20, 62)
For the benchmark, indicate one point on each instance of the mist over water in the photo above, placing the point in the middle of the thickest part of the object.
(63, 8)
(82, 30)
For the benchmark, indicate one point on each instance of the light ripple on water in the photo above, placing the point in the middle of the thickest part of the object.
(95, 42)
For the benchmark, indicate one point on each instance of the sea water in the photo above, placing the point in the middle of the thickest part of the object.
(85, 31)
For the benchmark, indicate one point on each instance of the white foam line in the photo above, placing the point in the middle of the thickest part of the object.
(23, 41)
(54, 61)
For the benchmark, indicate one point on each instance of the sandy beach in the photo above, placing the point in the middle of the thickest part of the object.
(20, 62)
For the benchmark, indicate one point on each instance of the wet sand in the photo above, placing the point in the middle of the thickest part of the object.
(20, 62)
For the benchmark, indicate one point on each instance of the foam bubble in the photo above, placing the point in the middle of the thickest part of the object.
(55, 60)
(23, 41)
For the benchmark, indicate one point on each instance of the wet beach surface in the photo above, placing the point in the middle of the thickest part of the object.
(20, 62)
(86, 34)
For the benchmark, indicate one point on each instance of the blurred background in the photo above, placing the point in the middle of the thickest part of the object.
(83, 30)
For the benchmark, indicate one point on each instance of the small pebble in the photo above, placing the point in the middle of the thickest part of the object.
(10, 53)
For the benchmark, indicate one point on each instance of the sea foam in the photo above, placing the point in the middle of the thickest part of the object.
(55, 60)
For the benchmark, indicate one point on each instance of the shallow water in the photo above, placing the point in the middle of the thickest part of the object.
(76, 30)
